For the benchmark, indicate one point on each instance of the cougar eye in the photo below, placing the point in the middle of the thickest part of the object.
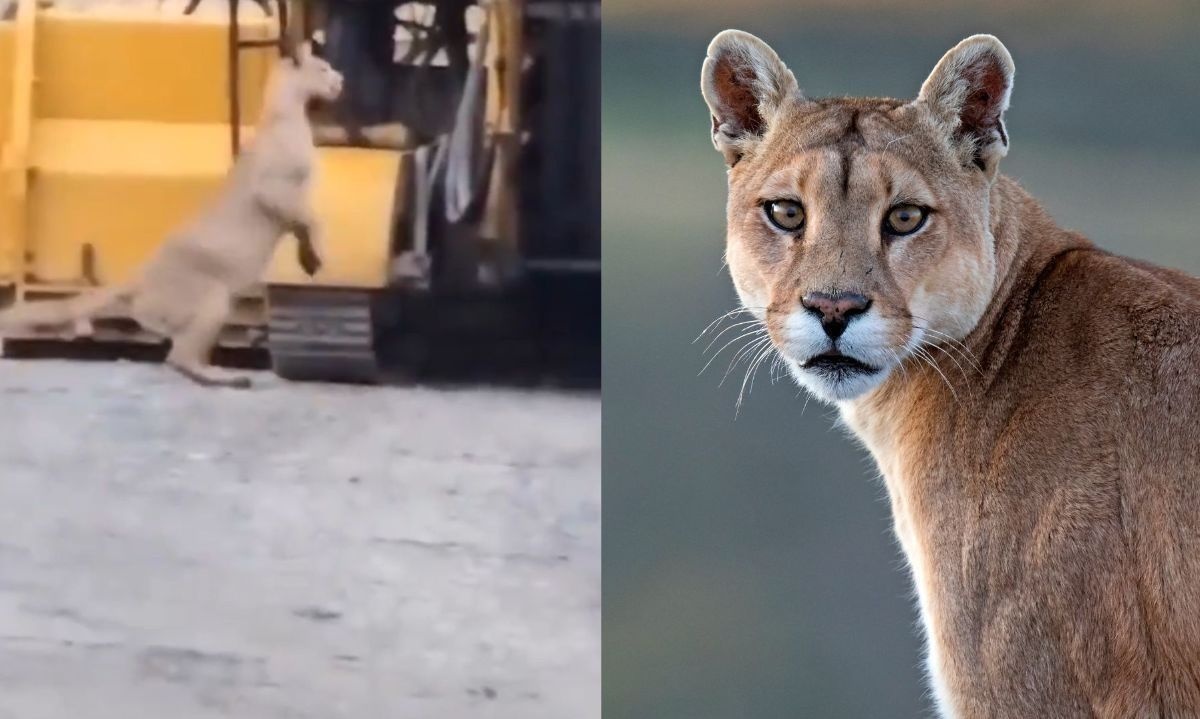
(787, 215)
(904, 220)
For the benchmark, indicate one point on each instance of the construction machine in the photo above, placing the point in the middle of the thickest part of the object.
(457, 185)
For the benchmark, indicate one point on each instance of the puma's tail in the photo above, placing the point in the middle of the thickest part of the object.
(61, 313)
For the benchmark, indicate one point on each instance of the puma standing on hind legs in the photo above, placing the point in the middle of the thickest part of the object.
(186, 289)
(1032, 401)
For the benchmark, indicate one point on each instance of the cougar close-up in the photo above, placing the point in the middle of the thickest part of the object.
(1030, 399)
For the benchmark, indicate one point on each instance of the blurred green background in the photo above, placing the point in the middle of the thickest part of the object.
(749, 565)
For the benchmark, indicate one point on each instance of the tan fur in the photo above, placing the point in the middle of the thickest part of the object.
(185, 290)
(1035, 409)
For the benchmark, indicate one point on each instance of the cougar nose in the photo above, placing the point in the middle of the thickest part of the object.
(835, 310)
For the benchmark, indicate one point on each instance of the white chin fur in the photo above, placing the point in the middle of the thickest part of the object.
(805, 338)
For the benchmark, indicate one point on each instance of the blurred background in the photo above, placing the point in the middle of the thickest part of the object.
(749, 564)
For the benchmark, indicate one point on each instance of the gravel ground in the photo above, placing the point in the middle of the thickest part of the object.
(294, 550)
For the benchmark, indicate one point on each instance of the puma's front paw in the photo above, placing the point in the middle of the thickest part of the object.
(310, 261)
(302, 233)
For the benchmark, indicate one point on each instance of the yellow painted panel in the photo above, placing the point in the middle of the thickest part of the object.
(354, 198)
(143, 67)
(123, 218)
(122, 186)
(7, 36)
(8, 240)
(130, 148)
(119, 186)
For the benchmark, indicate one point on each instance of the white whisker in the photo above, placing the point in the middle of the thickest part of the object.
(752, 333)
(730, 313)
(952, 344)
(767, 352)
(730, 327)
(750, 371)
(946, 352)
(957, 344)
(750, 349)
(929, 360)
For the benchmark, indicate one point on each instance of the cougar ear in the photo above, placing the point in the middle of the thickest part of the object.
(968, 93)
(745, 85)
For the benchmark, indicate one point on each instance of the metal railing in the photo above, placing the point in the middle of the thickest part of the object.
(236, 45)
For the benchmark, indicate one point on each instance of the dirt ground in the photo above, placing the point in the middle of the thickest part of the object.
(294, 550)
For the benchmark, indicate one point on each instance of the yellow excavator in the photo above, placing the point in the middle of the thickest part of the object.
(458, 182)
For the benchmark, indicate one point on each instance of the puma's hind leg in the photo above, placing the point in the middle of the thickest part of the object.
(191, 347)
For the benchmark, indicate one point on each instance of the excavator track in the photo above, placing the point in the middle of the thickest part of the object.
(321, 335)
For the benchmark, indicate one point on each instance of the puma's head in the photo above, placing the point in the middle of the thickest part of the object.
(857, 229)
(312, 77)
